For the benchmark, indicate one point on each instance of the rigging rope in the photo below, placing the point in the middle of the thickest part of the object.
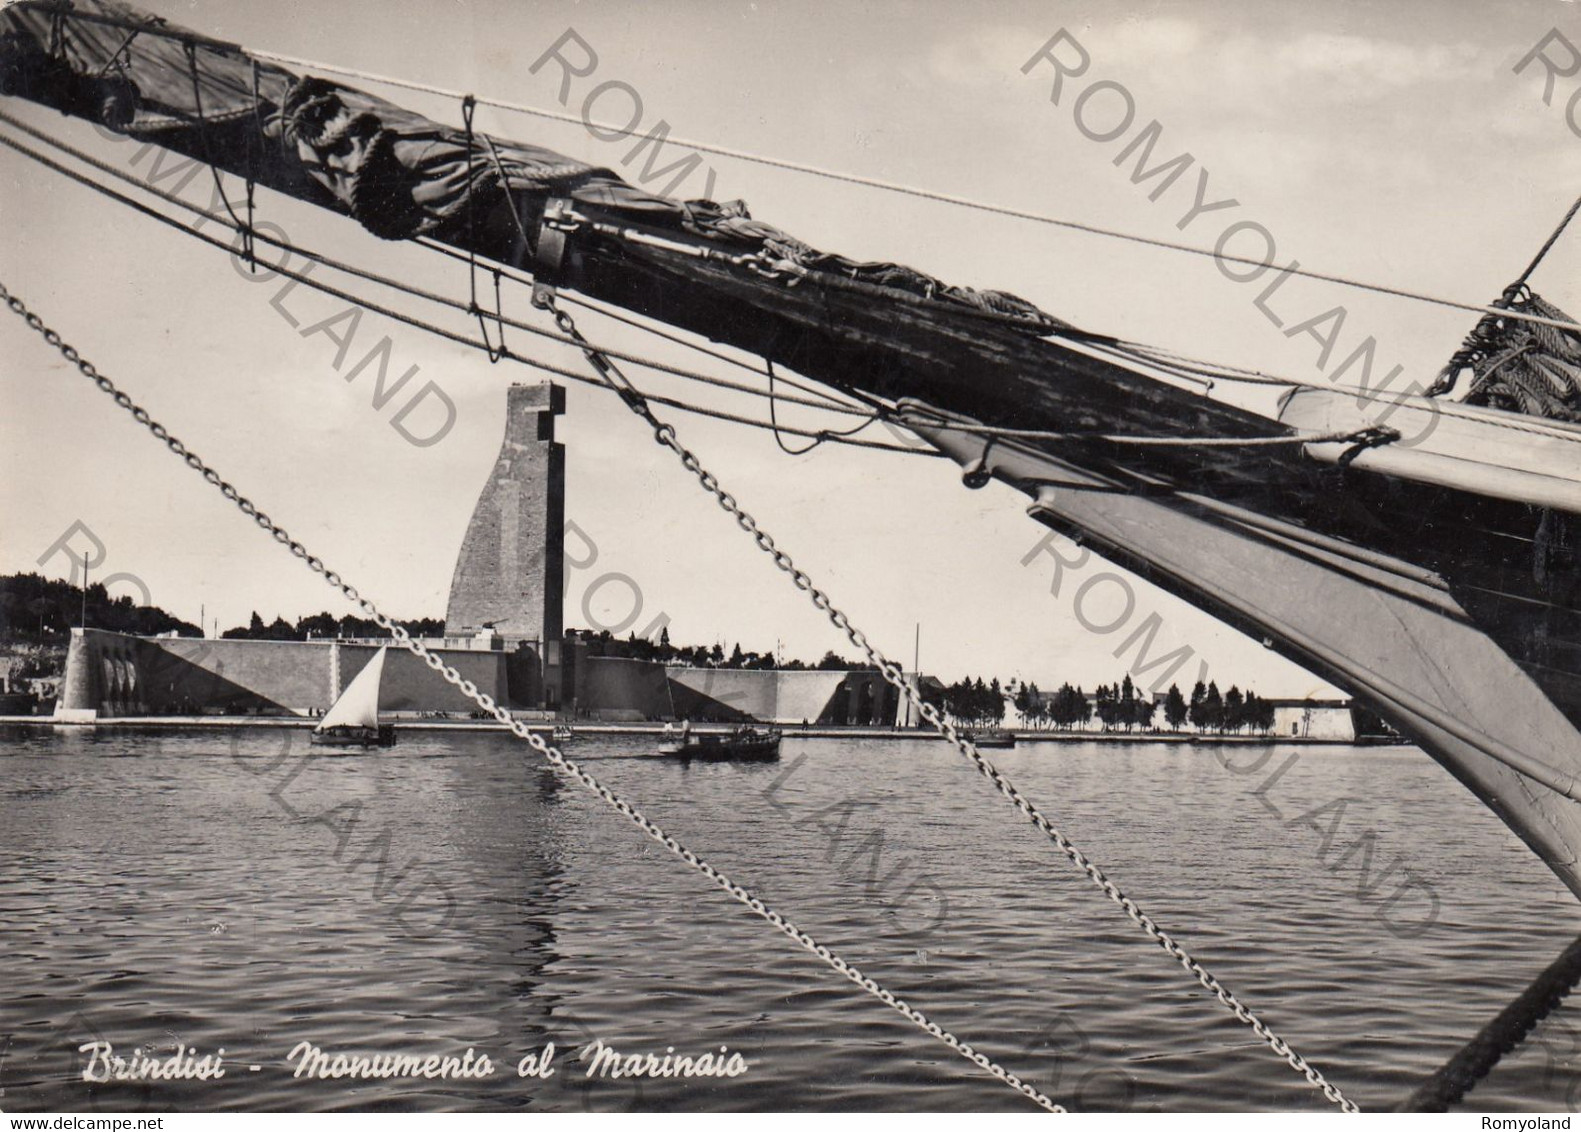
(910, 417)
(1543, 251)
(190, 40)
(197, 102)
(824, 402)
(306, 279)
(824, 434)
(1505, 1033)
(904, 190)
(1203, 372)
(1130, 351)
(468, 104)
(1189, 368)
(555, 758)
(665, 435)
(1169, 361)
(659, 331)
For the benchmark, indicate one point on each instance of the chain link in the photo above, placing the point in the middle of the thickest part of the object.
(895, 675)
(555, 758)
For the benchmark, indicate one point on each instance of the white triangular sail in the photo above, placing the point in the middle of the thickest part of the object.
(358, 705)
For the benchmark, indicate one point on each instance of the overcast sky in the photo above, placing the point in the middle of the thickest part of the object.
(1387, 141)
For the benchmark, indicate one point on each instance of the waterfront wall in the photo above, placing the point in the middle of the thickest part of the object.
(409, 685)
(783, 695)
(114, 674)
(618, 689)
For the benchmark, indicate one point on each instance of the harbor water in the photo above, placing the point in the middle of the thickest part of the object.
(165, 890)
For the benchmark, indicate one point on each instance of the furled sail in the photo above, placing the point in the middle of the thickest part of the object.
(399, 174)
(358, 705)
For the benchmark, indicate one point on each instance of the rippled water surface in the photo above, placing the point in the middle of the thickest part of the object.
(218, 889)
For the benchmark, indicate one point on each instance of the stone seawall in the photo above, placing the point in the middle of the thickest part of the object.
(114, 674)
(117, 675)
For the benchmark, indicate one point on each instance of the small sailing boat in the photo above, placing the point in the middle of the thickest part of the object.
(353, 719)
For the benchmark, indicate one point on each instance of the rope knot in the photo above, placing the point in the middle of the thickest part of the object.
(1375, 437)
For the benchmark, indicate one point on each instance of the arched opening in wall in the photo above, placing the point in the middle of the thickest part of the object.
(133, 685)
(864, 704)
(109, 684)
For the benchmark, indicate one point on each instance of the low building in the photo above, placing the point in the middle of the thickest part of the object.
(1328, 720)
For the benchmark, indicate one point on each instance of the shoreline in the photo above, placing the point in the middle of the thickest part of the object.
(792, 731)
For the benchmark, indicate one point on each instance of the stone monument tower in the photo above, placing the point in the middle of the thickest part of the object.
(510, 573)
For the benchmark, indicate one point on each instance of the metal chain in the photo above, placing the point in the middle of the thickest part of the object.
(895, 675)
(555, 758)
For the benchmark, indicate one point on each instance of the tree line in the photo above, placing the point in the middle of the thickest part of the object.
(605, 643)
(1120, 707)
(968, 701)
(326, 625)
(34, 608)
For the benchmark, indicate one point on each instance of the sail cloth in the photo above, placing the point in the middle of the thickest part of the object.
(397, 173)
(358, 705)
(1520, 366)
(731, 223)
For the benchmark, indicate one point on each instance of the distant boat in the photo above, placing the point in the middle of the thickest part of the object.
(991, 739)
(353, 720)
(744, 744)
(564, 733)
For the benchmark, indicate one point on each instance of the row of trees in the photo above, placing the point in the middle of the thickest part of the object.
(34, 608)
(1066, 708)
(326, 624)
(604, 643)
(1234, 712)
(969, 701)
(1121, 707)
